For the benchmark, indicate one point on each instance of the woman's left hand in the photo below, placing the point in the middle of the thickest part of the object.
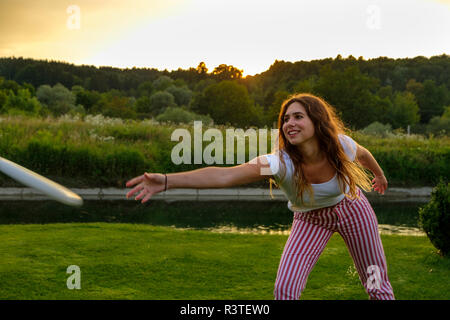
(379, 184)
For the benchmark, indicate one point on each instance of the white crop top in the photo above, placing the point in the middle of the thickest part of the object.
(325, 194)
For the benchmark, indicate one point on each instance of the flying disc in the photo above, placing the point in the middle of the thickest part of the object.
(32, 179)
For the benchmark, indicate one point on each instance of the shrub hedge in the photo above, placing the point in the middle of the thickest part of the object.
(106, 153)
(434, 217)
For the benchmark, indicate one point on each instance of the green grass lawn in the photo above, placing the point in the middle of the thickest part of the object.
(135, 261)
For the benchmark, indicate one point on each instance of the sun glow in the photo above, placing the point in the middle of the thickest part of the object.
(249, 35)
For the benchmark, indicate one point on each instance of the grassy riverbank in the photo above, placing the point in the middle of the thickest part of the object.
(99, 152)
(134, 261)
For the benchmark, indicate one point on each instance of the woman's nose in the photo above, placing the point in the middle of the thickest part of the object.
(289, 122)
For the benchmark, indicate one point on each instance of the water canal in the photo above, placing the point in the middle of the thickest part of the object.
(223, 216)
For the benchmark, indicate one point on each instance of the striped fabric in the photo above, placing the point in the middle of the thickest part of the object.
(355, 221)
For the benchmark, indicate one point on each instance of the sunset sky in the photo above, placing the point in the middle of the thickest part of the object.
(248, 34)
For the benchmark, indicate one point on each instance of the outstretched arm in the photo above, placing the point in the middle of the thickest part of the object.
(368, 161)
(149, 184)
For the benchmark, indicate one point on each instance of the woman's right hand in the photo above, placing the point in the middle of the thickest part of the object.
(148, 184)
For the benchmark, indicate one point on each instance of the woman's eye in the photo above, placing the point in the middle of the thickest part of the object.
(296, 117)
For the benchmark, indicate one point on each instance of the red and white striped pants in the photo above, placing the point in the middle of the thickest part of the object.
(356, 222)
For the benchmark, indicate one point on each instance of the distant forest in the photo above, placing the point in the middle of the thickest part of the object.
(395, 93)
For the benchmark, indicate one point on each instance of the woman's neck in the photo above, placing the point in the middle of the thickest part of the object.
(311, 152)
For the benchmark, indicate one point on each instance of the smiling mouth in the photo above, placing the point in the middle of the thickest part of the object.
(293, 133)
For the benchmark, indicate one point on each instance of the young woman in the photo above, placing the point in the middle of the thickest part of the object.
(319, 168)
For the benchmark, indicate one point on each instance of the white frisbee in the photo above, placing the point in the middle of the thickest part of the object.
(36, 181)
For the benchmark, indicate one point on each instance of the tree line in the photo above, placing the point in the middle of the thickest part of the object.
(396, 92)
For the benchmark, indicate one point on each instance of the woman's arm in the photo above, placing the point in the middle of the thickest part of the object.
(368, 161)
(211, 177)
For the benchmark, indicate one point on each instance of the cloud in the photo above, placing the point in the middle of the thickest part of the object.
(46, 20)
(249, 34)
(38, 29)
(29, 20)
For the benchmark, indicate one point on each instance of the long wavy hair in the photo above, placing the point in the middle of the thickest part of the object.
(327, 127)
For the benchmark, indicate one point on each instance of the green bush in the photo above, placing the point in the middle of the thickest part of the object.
(434, 217)
(377, 129)
(181, 115)
(440, 126)
(49, 155)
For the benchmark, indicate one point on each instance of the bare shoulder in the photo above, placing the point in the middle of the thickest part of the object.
(361, 152)
(259, 166)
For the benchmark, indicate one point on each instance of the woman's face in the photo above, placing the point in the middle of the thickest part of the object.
(297, 126)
